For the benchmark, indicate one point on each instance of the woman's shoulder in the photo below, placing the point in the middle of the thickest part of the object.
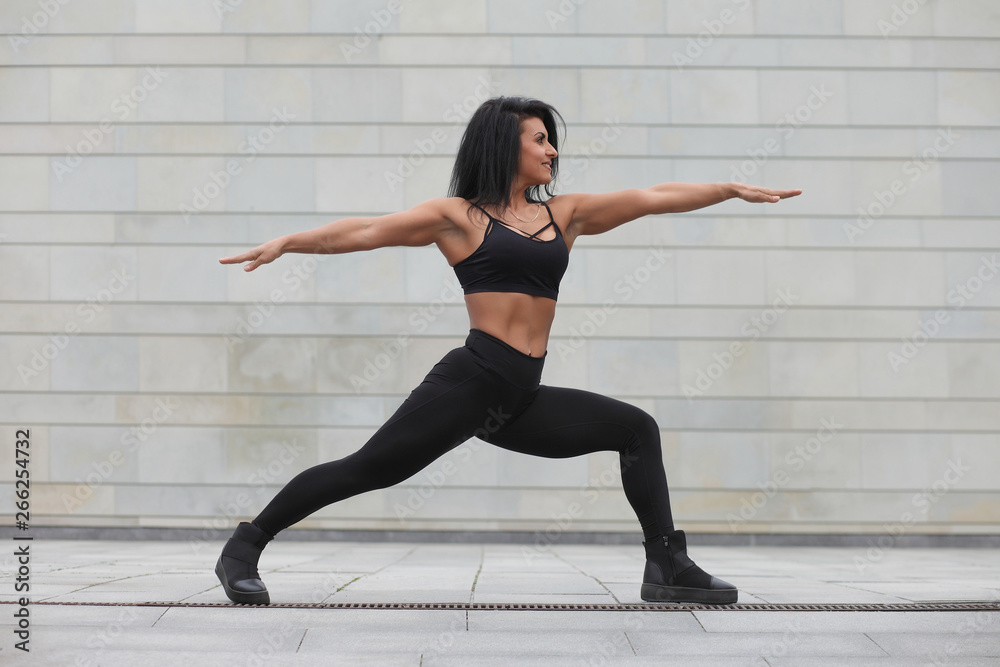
(563, 205)
(460, 212)
(455, 204)
(454, 208)
(562, 199)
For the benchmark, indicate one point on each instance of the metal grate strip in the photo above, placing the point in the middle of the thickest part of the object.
(483, 606)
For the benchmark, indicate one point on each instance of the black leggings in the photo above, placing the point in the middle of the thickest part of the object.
(489, 390)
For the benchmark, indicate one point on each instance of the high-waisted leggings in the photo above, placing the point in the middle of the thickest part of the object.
(489, 390)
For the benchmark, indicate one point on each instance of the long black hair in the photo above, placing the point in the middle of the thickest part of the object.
(490, 151)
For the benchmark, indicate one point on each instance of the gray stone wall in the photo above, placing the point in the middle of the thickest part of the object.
(826, 364)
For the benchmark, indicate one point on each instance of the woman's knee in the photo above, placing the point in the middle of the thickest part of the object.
(645, 429)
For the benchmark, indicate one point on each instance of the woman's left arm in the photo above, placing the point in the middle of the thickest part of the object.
(598, 213)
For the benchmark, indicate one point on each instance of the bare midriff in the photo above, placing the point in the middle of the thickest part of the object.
(522, 321)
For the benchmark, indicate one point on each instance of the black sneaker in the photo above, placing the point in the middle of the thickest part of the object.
(237, 566)
(670, 576)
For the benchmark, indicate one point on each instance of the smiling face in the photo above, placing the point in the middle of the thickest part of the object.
(535, 165)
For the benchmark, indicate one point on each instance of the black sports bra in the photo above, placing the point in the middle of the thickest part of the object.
(509, 261)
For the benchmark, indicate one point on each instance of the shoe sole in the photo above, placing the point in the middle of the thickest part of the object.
(239, 597)
(659, 593)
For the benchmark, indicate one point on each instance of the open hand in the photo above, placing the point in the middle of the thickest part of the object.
(758, 195)
(262, 254)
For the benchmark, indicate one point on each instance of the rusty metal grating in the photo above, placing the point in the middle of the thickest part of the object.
(484, 606)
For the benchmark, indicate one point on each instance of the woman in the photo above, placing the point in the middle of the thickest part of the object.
(509, 260)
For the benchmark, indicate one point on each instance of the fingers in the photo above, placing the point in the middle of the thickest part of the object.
(758, 194)
(771, 195)
(236, 259)
(780, 194)
(250, 256)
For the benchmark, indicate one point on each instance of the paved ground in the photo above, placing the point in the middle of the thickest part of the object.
(125, 572)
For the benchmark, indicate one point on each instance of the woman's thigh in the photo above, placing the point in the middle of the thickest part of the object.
(457, 399)
(563, 422)
(454, 402)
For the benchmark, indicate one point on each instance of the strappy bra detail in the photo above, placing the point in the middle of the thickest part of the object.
(505, 264)
(519, 231)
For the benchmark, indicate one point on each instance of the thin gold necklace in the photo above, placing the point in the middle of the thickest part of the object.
(537, 211)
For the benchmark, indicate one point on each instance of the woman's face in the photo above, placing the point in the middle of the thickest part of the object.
(535, 167)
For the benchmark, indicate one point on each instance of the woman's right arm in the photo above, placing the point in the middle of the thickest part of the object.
(418, 226)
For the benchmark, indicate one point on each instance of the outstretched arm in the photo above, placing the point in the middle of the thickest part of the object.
(598, 213)
(421, 225)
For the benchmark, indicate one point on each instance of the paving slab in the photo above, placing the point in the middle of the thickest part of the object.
(542, 598)
(792, 642)
(108, 625)
(194, 658)
(556, 621)
(939, 646)
(598, 660)
(517, 646)
(139, 637)
(342, 620)
(851, 621)
(888, 661)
